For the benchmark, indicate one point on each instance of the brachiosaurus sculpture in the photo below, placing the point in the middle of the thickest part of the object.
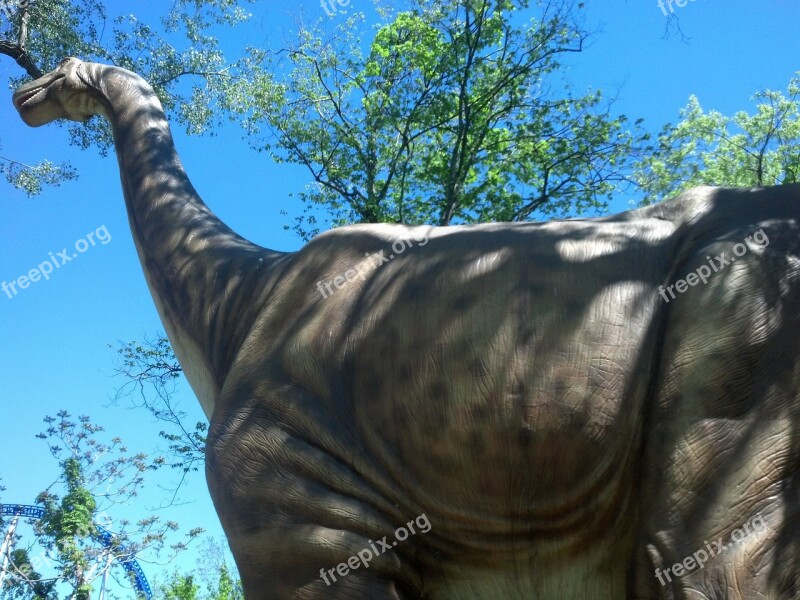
(590, 409)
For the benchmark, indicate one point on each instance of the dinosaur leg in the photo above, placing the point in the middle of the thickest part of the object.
(309, 562)
(301, 522)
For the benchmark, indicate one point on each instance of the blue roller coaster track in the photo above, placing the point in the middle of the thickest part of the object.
(30, 511)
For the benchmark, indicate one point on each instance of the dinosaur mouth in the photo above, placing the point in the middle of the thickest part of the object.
(24, 96)
(22, 99)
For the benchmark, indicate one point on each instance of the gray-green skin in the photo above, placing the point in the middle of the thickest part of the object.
(524, 387)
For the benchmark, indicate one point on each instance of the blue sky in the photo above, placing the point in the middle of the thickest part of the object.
(55, 334)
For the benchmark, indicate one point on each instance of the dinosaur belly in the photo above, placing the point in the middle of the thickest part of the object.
(520, 453)
(511, 486)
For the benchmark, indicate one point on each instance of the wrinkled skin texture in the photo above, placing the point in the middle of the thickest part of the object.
(564, 430)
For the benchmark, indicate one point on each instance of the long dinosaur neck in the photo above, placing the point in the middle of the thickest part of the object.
(201, 274)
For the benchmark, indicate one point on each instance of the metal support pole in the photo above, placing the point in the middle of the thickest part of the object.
(5, 549)
(105, 576)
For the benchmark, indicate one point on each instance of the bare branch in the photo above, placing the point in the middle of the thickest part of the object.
(18, 50)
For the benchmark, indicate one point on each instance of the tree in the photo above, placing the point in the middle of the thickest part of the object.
(214, 574)
(94, 477)
(183, 587)
(228, 587)
(152, 370)
(709, 148)
(29, 583)
(179, 56)
(452, 116)
(180, 587)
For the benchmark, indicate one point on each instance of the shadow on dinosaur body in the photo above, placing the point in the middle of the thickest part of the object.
(564, 430)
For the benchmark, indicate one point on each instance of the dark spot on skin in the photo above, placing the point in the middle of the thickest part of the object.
(439, 462)
(465, 348)
(399, 418)
(392, 338)
(481, 412)
(526, 336)
(535, 290)
(573, 308)
(478, 368)
(439, 391)
(477, 441)
(373, 383)
(525, 437)
(432, 428)
(463, 303)
(405, 372)
(411, 292)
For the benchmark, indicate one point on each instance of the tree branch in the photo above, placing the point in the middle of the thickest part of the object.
(18, 51)
(22, 58)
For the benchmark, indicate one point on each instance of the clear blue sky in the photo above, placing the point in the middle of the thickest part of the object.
(54, 335)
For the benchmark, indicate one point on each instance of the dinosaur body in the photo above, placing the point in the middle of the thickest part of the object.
(534, 402)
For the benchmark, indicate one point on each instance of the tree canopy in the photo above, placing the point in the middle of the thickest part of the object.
(710, 148)
(452, 111)
(212, 580)
(455, 112)
(178, 53)
(95, 476)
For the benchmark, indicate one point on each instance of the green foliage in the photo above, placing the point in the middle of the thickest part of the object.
(180, 587)
(178, 55)
(183, 587)
(455, 114)
(213, 574)
(228, 588)
(709, 148)
(67, 525)
(29, 583)
(32, 178)
(94, 477)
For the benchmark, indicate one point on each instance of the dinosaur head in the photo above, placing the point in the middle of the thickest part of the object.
(61, 94)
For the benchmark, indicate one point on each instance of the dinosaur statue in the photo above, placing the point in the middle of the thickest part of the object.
(587, 409)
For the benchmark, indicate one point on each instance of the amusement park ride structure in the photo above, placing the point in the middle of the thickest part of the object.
(129, 563)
